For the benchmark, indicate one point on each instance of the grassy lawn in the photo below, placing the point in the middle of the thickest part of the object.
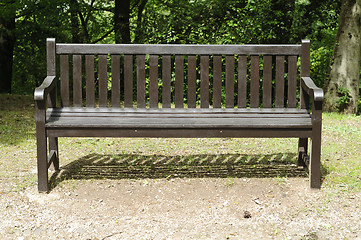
(92, 158)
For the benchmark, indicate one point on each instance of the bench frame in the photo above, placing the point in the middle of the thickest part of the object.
(46, 96)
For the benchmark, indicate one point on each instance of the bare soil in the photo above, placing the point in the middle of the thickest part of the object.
(181, 208)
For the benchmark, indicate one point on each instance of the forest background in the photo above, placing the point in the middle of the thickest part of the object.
(25, 25)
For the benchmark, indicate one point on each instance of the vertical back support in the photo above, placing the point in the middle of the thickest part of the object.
(179, 81)
(267, 81)
(89, 71)
(192, 85)
(230, 81)
(140, 81)
(254, 81)
(128, 81)
(242, 81)
(166, 79)
(153, 81)
(217, 81)
(77, 81)
(280, 81)
(204, 81)
(115, 61)
(103, 81)
(64, 80)
(305, 68)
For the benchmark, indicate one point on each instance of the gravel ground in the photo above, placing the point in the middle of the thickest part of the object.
(181, 208)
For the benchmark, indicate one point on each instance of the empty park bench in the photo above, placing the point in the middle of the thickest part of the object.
(178, 91)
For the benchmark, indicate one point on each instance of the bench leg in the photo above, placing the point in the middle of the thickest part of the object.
(315, 161)
(302, 149)
(53, 146)
(43, 185)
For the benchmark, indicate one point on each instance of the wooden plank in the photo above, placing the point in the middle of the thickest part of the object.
(103, 81)
(305, 69)
(178, 49)
(50, 57)
(280, 81)
(153, 81)
(182, 123)
(64, 80)
(292, 81)
(242, 81)
(204, 81)
(183, 110)
(217, 81)
(267, 81)
(230, 81)
(128, 81)
(77, 81)
(89, 72)
(166, 80)
(254, 82)
(192, 81)
(115, 65)
(140, 81)
(191, 115)
(179, 81)
(180, 133)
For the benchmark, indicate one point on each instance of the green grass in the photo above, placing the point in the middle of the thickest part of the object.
(168, 158)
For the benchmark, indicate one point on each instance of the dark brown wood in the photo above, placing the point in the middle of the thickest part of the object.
(192, 84)
(179, 81)
(178, 49)
(140, 81)
(77, 81)
(153, 81)
(254, 81)
(292, 81)
(64, 80)
(89, 72)
(267, 81)
(242, 81)
(204, 81)
(280, 81)
(230, 81)
(217, 81)
(50, 57)
(128, 81)
(103, 81)
(115, 61)
(166, 79)
(88, 121)
(305, 69)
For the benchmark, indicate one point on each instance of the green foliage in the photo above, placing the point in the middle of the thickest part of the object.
(343, 98)
(173, 21)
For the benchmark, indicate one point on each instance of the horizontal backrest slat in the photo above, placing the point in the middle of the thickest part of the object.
(176, 49)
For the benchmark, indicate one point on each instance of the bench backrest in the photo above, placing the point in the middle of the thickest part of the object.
(165, 76)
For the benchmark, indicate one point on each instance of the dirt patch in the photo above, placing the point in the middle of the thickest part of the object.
(181, 208)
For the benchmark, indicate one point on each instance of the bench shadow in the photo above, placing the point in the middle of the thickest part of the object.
(133, 166)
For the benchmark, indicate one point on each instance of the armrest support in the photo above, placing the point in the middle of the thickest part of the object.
(45, 88)
(311, 89)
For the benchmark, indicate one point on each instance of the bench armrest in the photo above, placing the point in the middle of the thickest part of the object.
(45, 88)
(311, 89)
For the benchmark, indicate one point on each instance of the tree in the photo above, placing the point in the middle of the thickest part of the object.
(7, 42)
(121, 21)
(342, 86)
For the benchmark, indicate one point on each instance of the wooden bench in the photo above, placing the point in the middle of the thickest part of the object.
(188, 91)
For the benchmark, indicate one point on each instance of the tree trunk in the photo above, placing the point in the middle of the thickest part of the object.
(121, 21)
(7, 42)
(342, 86)
(74, 21)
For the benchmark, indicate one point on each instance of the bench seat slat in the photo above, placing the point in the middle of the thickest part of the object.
(184, 110)
(182, 123)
